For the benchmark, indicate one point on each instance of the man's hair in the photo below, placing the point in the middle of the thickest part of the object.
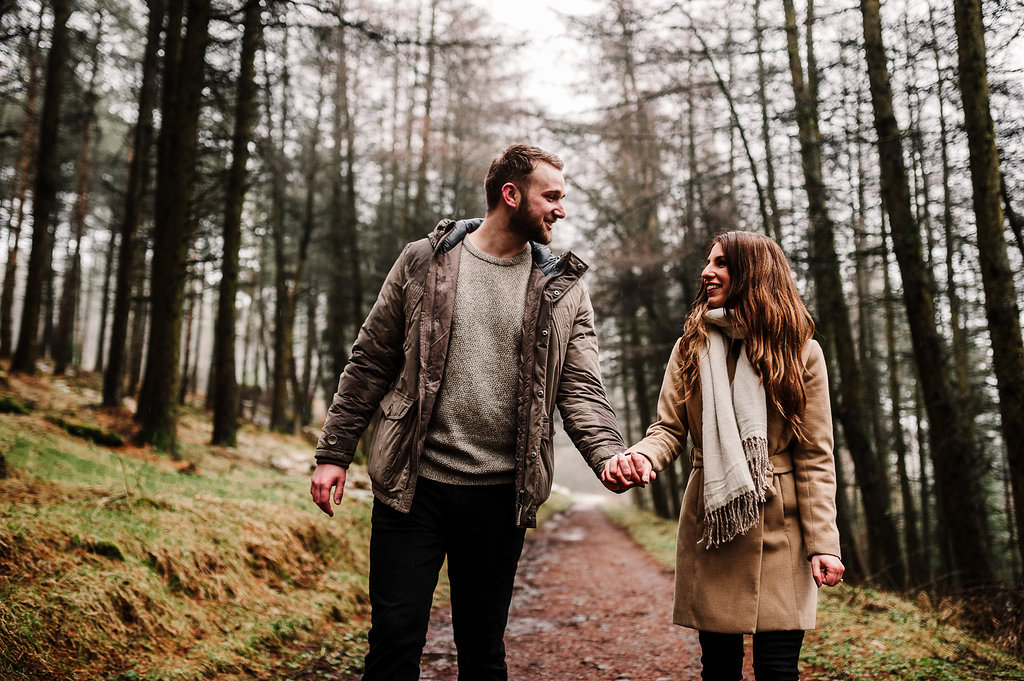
(515, 165)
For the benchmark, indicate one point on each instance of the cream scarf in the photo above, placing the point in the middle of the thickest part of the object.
(735, 431)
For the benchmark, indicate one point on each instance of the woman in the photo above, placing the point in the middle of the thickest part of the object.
(757, 532)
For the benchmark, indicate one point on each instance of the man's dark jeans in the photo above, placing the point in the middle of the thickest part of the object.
(474, 527)
(776, 654)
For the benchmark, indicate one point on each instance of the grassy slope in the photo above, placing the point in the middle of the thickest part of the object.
(863, 634)
(113, 560)
(116, 566)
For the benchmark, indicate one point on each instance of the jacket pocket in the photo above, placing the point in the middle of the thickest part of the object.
(389, 455)
(540, 461)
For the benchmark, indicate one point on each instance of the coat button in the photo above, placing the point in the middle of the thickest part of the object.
(544, 332)
(540, 392)
(533, 454)
(556, 292)
(332, 439)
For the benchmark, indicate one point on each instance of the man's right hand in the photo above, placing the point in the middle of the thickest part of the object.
(327, 477)
(630, 469)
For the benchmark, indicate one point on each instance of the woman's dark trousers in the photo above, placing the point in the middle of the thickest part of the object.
(776, 654)
(474, 527)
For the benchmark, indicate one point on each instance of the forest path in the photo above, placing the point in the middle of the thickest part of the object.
(589, 603)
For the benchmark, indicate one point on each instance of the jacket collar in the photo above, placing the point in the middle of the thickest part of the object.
(449, 233)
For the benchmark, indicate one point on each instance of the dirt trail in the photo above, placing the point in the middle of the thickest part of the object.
(590, 604)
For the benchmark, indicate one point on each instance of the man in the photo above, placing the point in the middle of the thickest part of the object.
(477, 334)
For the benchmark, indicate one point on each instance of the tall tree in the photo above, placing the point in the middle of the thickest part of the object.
(833, 320)
(762, 101)
(344, 297)
(63, 344)
(958, 468)
(183, 75)
(44, 195)
(138, 181)
(24, 172)
(225, 383)
(918, 569)
(1001, 307)
(283, 329)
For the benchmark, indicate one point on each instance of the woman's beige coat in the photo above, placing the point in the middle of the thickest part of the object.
(760, 581)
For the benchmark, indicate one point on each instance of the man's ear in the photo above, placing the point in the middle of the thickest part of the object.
(510, 194)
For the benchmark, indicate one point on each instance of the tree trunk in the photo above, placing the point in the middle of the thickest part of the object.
(834, 325)
(108, 273)
(762, 100)
(140, 322)
(224, 388)
(350, 225)
(44, 195)
(1001, 307)
(848, 543)
(189, 314)
(1012, 216)
(960, 346)
(25, 167)
(300, 388)
(420, 220)
(183, 84)
(958, 468)
(138, 181)
(64, 340)
(283, 289)
(917, 556)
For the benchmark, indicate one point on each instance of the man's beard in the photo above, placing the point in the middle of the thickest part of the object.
(529, 227)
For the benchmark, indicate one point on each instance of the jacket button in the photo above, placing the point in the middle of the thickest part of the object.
(544, 332)
(556, 292)
(332, 439)
(533, 454)
(540, 392)
(522, 492)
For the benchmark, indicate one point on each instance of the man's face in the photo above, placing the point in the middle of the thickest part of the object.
(540, 205)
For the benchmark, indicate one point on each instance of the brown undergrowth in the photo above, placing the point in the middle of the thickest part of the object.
(116, 565)
(864, 634)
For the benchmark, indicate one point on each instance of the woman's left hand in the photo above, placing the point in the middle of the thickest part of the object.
(827, 569)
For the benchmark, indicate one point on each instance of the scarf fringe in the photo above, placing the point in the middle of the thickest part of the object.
(756, 450)
(735, 518)
(742, 513)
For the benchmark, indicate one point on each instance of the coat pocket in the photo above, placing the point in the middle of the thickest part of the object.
(540, 461)
(389, 455)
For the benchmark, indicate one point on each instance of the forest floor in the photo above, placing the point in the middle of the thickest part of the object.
(119, 564)
(589, 604)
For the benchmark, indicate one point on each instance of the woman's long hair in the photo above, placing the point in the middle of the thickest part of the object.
(765, 305)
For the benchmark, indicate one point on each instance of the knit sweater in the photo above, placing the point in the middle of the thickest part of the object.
(471, 437)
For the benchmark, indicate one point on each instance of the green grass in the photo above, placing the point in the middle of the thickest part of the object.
(863, 634)
(115, 561)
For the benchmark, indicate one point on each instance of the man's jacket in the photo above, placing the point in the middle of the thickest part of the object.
(398, 362)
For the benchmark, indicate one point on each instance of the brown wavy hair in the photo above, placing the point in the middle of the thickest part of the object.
(765, 305)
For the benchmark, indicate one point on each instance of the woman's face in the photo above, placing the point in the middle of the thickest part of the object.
(716, 277)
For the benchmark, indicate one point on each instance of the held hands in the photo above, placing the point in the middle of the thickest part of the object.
(326, 477)
(827, 569)
(629, 469)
